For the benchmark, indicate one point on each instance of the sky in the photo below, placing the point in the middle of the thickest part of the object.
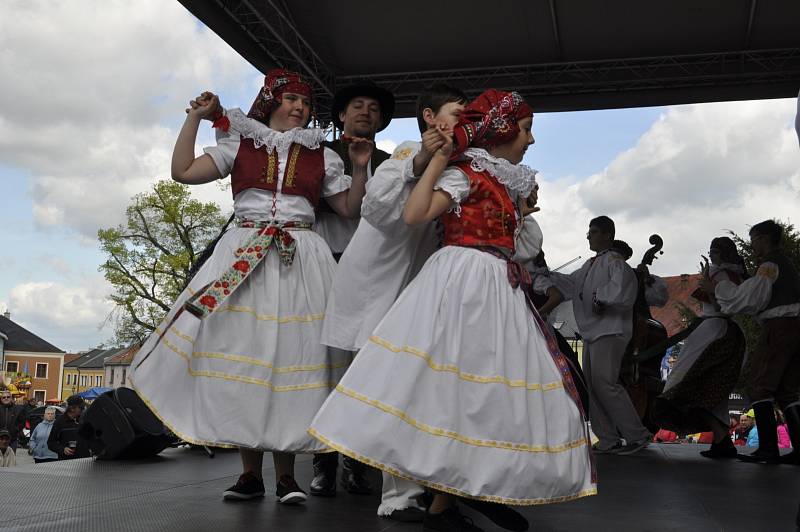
(93, 96)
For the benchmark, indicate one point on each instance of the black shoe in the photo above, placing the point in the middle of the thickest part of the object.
(289, 492)
(761, 457)
(450, 520)
(722, 450)
(324, 482)
(407, 515)
(793, 458)
(354, 477)
(500, 514)
(247, 487)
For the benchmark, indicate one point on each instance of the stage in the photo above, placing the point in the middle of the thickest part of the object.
(664, 487)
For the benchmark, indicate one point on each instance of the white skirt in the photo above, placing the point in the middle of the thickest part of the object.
(456, 390)
(253, 373)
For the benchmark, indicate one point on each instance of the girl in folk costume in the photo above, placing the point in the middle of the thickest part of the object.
(237, 361)
(460, 387)
(695, 396)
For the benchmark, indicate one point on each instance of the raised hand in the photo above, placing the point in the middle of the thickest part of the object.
(359, 150)
(204, 106)
(446, 136)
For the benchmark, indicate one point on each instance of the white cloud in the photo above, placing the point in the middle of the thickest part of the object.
(70, 316)
(386, 145)
(94, 91)
(699, 170)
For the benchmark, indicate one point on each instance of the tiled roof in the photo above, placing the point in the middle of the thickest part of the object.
(94, 359)
(125, 357)
(21, 339)
(680, 288)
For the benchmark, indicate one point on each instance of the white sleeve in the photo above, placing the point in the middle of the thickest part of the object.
(542, 283)
(454, 182)
(620, 290)
(335, 180)
(386, 196)
(565, 283)
(751, 296)
(528, 243)
(656, 294)
(224, 153)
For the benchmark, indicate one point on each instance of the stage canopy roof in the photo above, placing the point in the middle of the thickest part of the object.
(560, 54)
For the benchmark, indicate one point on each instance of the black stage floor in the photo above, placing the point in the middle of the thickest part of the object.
(664, 487)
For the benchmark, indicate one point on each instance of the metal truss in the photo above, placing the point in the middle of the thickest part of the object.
(269, 26)
(264, 33)
(762, 67)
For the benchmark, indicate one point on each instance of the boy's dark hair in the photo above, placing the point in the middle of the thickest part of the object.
(434, 97)
(769, 228)
(622, 247)
(605, 224)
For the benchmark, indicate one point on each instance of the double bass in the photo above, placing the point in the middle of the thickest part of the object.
(642, 378)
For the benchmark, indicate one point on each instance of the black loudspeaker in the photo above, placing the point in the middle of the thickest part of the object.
(119, 426)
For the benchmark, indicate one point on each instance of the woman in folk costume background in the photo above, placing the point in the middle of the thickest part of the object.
(460, 388)
(237, 361)
(695, 396)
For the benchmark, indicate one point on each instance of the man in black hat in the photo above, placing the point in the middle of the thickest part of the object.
(64, 439)
(359, 110)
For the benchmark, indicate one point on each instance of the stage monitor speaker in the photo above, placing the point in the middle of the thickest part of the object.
(118, 425)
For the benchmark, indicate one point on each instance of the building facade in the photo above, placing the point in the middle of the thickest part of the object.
(30, 364)
(117, 368)
(86, 371)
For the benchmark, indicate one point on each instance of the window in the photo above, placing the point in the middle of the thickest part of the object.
(98, 380)
(69, 378)
(124, 371)
(39, 395)
(41, 370)
(12, 367)
(83, 380)
(113, 375)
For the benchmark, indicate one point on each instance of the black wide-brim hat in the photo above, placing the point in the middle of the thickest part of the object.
(343, 96)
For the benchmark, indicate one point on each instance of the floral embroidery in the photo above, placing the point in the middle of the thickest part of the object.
(252, 252)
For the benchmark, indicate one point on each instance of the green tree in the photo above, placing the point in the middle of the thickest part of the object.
(150, 256)
(790, 242)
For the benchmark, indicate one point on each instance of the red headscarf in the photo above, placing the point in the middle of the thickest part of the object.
(276, 82)
(490, 120)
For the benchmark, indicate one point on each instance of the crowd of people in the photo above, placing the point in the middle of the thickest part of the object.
(53, 438)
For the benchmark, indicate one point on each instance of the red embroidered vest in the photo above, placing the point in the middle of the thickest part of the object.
(488, 215)
(255, 168)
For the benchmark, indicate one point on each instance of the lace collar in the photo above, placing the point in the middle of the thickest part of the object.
(519, 179)
(264, 136)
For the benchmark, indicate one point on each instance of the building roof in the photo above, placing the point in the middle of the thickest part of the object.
(575, 55)
(94, 359)
(123, 358)
(680, 289)
(21, 339)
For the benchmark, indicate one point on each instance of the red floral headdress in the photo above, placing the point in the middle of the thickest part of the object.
(276, 82)
(490, 120)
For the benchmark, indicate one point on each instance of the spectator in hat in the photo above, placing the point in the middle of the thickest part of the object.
(359, 111)
(64, 439)
(12, 418)
(7, 456)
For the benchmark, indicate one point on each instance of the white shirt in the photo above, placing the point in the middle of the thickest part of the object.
(608, 279)
(753, 295)
(258, 204)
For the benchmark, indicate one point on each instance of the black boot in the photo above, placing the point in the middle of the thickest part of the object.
(723, 449)
(767, 452)
(500, 514)
(324, 482)
(354, 477)
(792, 416)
